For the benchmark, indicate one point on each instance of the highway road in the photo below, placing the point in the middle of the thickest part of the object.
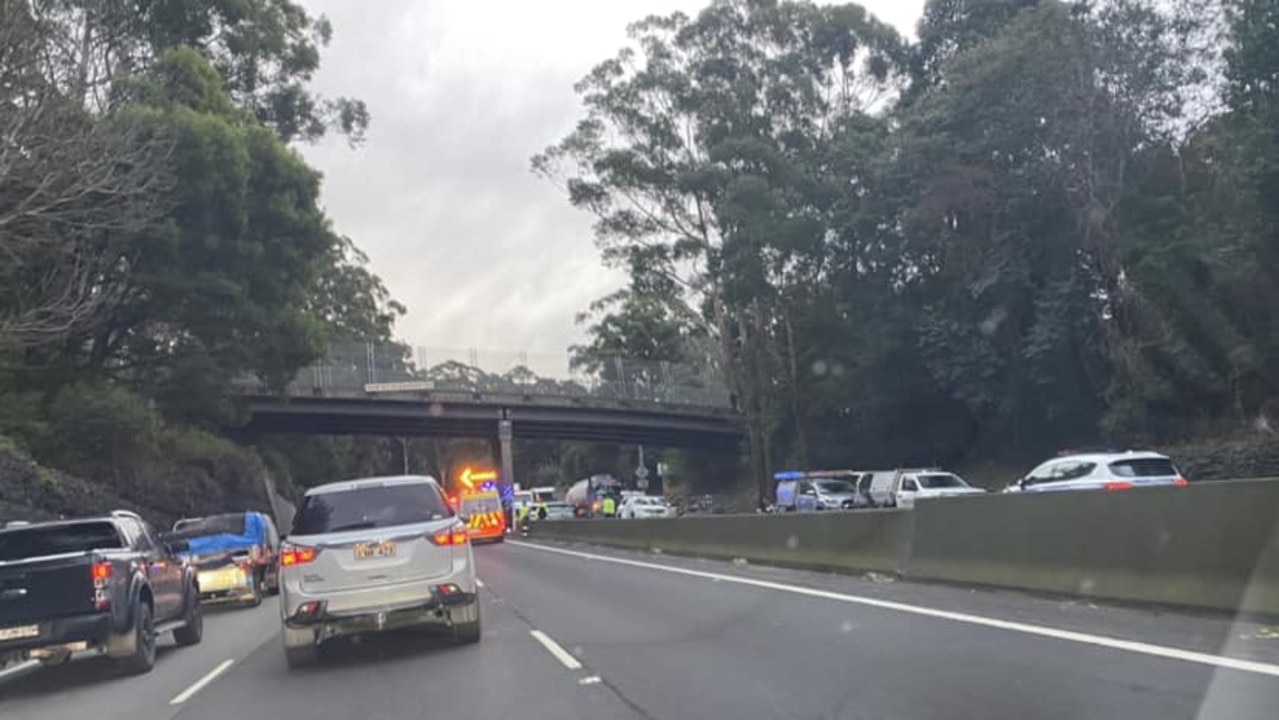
(577, 632)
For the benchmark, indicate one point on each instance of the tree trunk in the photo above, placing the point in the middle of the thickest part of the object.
(792, 363)
(737, 367)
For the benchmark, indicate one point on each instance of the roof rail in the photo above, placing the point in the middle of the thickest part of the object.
(125, 513)
(1094, 450)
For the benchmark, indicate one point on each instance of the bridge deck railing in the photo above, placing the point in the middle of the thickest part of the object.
(362, 370)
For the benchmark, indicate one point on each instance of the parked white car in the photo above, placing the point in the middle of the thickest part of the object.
(915, 484)
(645, 506)
(1101, 471)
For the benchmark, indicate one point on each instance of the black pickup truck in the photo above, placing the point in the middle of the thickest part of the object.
(105, 584)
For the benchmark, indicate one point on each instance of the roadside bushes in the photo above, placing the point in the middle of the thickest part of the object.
(125, 454)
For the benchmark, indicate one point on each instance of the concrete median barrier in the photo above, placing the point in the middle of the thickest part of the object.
(846, 542)
(1213, 545)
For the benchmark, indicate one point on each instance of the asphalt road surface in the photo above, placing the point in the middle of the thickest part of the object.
(579, 632)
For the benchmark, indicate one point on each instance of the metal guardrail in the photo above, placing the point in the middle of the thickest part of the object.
(367, 369)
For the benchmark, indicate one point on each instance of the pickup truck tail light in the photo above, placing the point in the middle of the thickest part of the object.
(291, 555)
(101, 574)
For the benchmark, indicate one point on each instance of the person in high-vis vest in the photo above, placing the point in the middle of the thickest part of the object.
(610, 506)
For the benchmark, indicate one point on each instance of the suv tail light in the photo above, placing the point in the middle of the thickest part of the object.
(291, 555)
(101, 574)
(1119, 485)
(1181, 482)
(456, 536)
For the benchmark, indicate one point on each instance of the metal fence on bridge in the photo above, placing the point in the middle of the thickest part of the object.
(361, 369)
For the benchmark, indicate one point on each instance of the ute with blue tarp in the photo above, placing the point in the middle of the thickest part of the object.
(234, 554)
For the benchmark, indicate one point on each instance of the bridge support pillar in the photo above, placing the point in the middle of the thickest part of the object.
(505, 437)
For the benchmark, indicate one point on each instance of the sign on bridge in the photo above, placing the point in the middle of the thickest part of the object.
(396, 387)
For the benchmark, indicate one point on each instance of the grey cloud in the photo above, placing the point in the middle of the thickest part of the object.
(440, 197)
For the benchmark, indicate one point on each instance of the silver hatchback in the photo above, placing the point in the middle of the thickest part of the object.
(373, 555)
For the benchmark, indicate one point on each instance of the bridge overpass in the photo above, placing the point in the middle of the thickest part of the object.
(438, 415)
(403, 391)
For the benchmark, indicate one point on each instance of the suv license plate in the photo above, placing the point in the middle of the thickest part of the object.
(17, 633)
(368, 551)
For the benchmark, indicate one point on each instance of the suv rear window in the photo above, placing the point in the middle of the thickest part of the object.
(1145, 467)
(370, 507)
(58, 539)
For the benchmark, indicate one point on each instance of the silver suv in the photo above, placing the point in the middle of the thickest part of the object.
(1101, 471)
(372, 555)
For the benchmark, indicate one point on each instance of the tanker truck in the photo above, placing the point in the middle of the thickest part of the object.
(587, 495)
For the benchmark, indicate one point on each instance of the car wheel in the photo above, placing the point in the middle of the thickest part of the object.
(143, 657)
(192, 630)
(468, 632)
(300, 650)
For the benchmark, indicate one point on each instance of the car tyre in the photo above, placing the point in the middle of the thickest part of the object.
(468, 633)
(300, 650)
(192, 630)
(143, 658)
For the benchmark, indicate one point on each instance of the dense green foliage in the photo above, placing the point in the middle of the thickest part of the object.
(159, 238)
(1044, 223)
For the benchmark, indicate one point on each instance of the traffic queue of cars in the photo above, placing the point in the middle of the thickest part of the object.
(364, 556)
(367, 556)
(112, 584)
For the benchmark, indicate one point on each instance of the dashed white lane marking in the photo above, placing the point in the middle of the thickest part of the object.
(479, 582)
(589, 680)
(554, 648)
(1140, 648)
(199, 684)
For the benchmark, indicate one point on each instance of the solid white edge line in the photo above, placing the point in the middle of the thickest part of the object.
(1131, 646)
(554, 648)
(199, 684)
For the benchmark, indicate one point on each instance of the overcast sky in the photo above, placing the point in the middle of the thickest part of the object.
(462, 92)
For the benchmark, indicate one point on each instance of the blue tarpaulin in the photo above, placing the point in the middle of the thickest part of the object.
(254, 534)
